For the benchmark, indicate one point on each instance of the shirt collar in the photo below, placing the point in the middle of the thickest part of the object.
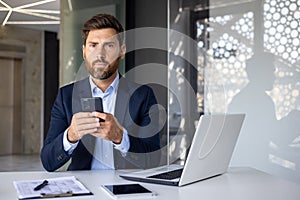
(112, 87)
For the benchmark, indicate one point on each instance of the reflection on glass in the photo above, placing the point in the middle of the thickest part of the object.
(233, 34)
(230, 47)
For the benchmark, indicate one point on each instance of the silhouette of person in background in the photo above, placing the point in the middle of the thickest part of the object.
(264, 142)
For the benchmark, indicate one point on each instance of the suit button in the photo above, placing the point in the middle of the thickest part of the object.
(60, 157)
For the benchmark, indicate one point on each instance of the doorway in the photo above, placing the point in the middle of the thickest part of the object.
(11, 105)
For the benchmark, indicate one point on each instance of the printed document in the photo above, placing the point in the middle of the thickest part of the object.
(55, 187)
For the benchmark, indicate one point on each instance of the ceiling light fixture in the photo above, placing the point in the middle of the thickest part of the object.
(48, 14)
(33, 23)
(70, 5)
(34, 4)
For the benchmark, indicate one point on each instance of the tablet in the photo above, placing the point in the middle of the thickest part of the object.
(127, 191)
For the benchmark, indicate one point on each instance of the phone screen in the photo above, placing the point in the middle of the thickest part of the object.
(92, 104)
(127, 189)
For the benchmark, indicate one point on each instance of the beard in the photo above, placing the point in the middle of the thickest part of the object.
(106, 72)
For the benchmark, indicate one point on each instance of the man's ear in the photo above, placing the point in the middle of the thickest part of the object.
(83, 52)
(122, 51)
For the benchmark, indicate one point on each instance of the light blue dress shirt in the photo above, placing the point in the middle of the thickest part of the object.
(103, 153)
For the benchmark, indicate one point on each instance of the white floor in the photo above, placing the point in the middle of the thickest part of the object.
(20, 163)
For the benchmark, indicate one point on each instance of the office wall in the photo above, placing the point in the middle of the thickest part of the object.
(146, 57)
(51, 75)
(26, 46)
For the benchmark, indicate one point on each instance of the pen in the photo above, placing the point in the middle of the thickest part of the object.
(64, 194)
(40, 186)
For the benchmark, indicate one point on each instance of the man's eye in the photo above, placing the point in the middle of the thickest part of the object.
(92, 45)
(110, 45)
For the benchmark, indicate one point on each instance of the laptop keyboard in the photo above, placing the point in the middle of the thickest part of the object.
(168, 175)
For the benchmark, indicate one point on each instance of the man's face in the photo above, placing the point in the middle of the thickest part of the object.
(102, 53)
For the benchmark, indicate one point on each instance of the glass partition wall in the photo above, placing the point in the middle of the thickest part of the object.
(222, 57)
(244, 58)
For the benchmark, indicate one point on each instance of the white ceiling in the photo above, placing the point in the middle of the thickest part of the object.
(33, 14)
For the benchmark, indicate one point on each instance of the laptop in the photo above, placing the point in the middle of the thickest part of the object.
(209, 155)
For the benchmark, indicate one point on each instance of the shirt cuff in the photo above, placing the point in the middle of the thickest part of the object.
(123, 147)
(68, 146)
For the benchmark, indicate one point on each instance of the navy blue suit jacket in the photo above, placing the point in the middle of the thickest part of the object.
(133, 112)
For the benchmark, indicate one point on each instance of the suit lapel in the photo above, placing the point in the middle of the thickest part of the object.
(122, 100)
(82, 89)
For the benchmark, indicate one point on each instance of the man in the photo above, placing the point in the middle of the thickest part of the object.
(111, 139)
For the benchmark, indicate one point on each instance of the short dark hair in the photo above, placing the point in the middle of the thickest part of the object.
(101, 21)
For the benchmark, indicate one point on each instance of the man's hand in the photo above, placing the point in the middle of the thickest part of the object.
(82, 123)
(110, 129)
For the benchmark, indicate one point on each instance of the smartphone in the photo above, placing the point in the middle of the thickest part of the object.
(128, 191)
(92, 104)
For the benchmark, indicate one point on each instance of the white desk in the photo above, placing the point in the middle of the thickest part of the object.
(237, 184)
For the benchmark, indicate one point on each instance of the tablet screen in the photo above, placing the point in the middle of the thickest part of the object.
(126, 189)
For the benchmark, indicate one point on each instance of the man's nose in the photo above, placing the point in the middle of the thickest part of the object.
(100, 52)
